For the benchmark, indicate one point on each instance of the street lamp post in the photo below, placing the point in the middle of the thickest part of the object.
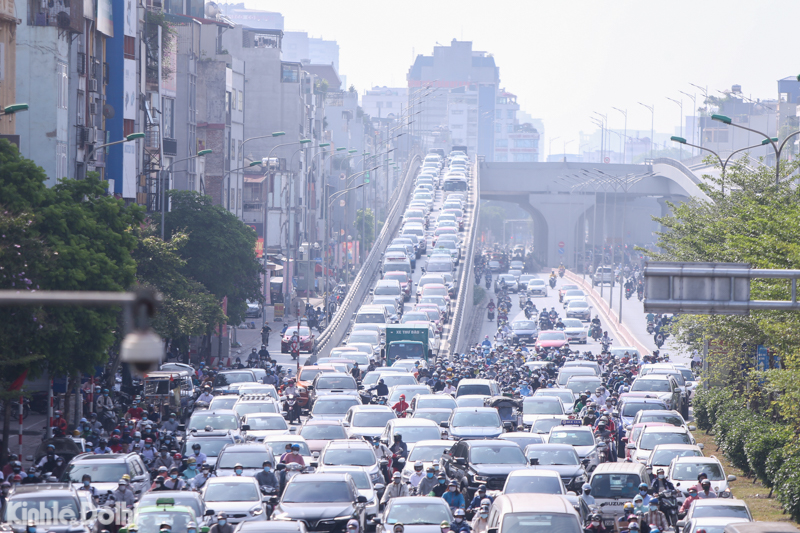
(624, 141)
(767, 140)
(92, 149)
(309, 276)
(694, 116)
(165, 173)
(652, 125)
(679, 103)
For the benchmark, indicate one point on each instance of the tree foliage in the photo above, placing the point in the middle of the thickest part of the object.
(219, 251)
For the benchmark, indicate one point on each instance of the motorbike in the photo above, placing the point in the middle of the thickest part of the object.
(596, 332)
(488, 282)
(528, 313)
(628, 293)
(271, 493)
(491, 315)
(398, 463)
(605, 343)
(651, 328)
(668, 504)
(552, 282)
(477, 279)
(659, 340)
(640, 295)
(604, 450)
(292, 408)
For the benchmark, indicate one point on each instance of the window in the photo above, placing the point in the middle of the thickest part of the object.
(61, 161)
(130, 47)
(127, 127)
(233, 99)
(227, 103)
(499, 114)
(523, 143)
(290, 74)
(501, 143)
(498, 127)
(510, 114)
(388, 104)
(168, 119)
(501, 158)
(509, 128)
(81, 108)
(457, 112)
(63, 85)
(241, 101)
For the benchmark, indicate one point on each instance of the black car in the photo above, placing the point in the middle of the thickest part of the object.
(476, 462)
(524, 330)
(324, 502)
(561, 458)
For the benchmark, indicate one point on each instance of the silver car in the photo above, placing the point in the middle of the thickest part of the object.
(238, 497)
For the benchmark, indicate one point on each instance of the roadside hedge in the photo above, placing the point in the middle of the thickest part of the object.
(753, 442)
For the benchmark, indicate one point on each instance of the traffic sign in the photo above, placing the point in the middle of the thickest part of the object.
(561, 251)
(607, 160)
(561, 244)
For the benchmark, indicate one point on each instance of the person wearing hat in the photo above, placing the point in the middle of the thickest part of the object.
(705, 490)
(633, 525)
(199, 456)
(428, 482)
(661, 483)
(400, 407)
(398, 528)
(191, 469)
(294, 456)
(453, 496)
(687, 503)
(174, 482)
(418, 475)
(200, 479)
(441, 486)
(266, 478)
(123, 494)
(222, 525)
(654, 517)
(191, 527)
(638, 505)
(395, 489)
(480, 522)
(353, 526)
(445, 526)
(586, 495)
(480, 495)
(459, 523)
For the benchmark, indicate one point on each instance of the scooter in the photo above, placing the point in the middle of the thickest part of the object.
(292, 408)
(668, 504)
(628, 293)
(491, 315)
(552, 282)
(651, 328)
(488, 283)
(596, 332)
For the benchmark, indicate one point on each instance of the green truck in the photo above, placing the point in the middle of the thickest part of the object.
(407, 341)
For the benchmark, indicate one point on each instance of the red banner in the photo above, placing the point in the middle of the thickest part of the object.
(260, 247)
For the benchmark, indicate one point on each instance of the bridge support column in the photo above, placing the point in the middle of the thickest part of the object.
(562, 214)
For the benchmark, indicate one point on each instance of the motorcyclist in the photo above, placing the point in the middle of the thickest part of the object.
(252, 357)
(687, 503)
(59, 422)
(174, 482)
(266, 477)
(86, 481)
(605, 339)
(480, 496)
(206, 396)
(654, 517)
(104, 402)
(399, 447)
(486, 342)
(400, 407)
(380, 388)
(265, 331)
(291, 388)
(200, 479)
(480, 522)
(644, 492)
(171, 423)
(449, 387)
(661, 483)
(102, 447)
(149, 453)
(191, 469)
(586, 495)
(163, 459)
(123, 494)
(441, 486)
(453, 496)
(459, 524)
(294, 456)
(395, 489)
(50, 462)
(706, 491)
(222, 525)
(199, 456)
(428, 482)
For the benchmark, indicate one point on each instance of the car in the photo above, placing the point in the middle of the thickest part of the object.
(663, 454)
(27, 500)
(536, 287)
(224, 401)
(718, 508)
(509, 280)
(562, 290)
(389, 287)
(668, 417)
(262, 425)
(565, 395)
(542, 425)
(352, 453)
(332, 384)
(307, 342)
(106, 471)
(651, 436)
(256, 403)
(632, 435)
(211, 443)
(183, 498)
(579, 309)
(482, 462)
(583, 363)
(258, 389)
(218, 419)
(272, 526)
(718, 525)
(603, 275)
(551, 339)
(474, 423)
(664, 388)
(568, 372)
(404, 279)
(579, 384)
(239, 497)
(524, 279)
(253, 310)
(676, 374)
(683, 472)
(372, 338)
(434, 414)
(224, 378)
(318, 433)
(522, 438)
(574, 294)
(250, 455)
(524, 331)
(305, 378)
(561, 458)
(613, 484)
(582, 438)
(411, 429)
(409, 391)
(482, 387)
(514, 513)
(471, 400)
(417, 513)
(534, 481)
(630, 405)
(428, 452)
(535, 407)
(333, 406)
(433, 401)
(364, 484)
(575, 330)
(367, 420)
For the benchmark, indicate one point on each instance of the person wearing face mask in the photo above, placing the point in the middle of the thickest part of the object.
(395, 489)
(586, 495)
(459, 523)
(5, 488)
(102, 447)
(266, 477)
(661, 483)
(201, 478)
(191, 527)
(638, 505)
(86, 481)
(418, 475)
(441, 486)
(122, 494)
(174, 482)
(399, 447)
(199, 456)
(135, 410)
(353, 527)
(158, 483)
(654, 517)
(177, 461)
(480, 496)
(170, 424)
(644, 491)
(104, 402)
(480, 522)
(444, 527)
(633, 525)
(427, 483)
(238, 470)
(453, 496)
(595, 524)
(50, 462)
(222, 525)
(163, 459)
(191, 469)
(293, 457)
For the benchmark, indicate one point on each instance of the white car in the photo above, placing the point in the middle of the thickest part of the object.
(263, 425)
(536, 287)
(238, 497)
(427, 452)
(367, 420)
(683, 472)
(575, 294)
(576, 331)
(717, 508)
(524, 481)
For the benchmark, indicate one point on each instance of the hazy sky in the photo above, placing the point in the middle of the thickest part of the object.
(565, 59)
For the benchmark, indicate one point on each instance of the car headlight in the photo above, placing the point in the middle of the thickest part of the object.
(480, 478)
(580, 479)
(344, 517)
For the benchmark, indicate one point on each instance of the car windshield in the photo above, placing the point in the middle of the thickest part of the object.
(438, 416)
(497, 455)
(251, 459)
(685, 471)
(537, 484)
(476, 389)
(579, 385)
(370, 318)
(573, 438)
(394, 379)
(349, 457)
(233, 377)
(652, 439)
(536, 283)
(476, 419)
(323, 432)
(415, 316)
(436, 402)
(553, 457)
(523, 325)
(408, 392)
(418, 513)
(215, 421)
(631, 408)
(151, 520)
(574, 293)
(223, 402)
(210, 447)
(428, 453)
(247, 408)
(665, 457)
(413, 434)
(575, 304)
(552, 336)
(232, 492)
(336, 382)
(278, 447)
(334, 406)
(101, 472)
(667, 418)
(363, 336)
(651, 385)
(533, 406)
(387, 289)
(720, 511)
(616, 486)
(371, 420)
(261, 422)
(540, 523)
(572, 323)
(565, 394)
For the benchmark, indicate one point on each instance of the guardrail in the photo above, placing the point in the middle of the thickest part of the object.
(334, 333)
(457, 342)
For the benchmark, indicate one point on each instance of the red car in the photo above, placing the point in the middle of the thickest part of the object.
(306, 339)
(551, 339)
(404, 279)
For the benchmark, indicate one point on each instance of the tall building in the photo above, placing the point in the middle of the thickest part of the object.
(300, 48)
(8, 59)
(457, 65)
(381, 102)
(252, 18)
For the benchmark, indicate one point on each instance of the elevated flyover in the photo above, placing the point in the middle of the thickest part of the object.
(573, 202)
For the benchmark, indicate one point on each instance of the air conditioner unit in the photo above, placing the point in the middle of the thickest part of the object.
(90, 135)
(92, 85)
(93, 108)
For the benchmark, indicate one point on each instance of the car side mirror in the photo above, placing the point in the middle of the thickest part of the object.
(245, 427)
(701, 445)
(681, 524)
(444, 424)
(630, 447)
(492, 530)
(209, 512)
(731, 478)
(384, 462)
(346, 424)
(585, 462)
(361, 499)
(181, 427)
(375, 520)
(692, 428)
(280, 466)
(315, 455)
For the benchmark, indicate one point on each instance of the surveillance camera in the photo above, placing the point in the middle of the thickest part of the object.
(143, 350)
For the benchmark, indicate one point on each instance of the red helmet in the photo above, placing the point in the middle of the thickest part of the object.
(402, 396)
(178, 456)
(148, 440)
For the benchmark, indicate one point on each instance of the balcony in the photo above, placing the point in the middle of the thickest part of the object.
(63, 14)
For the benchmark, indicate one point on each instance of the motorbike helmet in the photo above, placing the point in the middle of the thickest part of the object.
(643, 486)
(177, 457)
(653, 501)
(418, 466)
(459, 513)
(148, 440)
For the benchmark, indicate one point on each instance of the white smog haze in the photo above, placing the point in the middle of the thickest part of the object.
(565, 59)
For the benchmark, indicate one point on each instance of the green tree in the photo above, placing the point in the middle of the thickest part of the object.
(370, 226)
(219, 252)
